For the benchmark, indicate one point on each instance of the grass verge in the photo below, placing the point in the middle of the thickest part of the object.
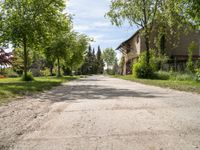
(188, 86)
(13, 87)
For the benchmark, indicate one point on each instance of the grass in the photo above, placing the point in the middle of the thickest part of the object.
(181, 85)
(14, 87)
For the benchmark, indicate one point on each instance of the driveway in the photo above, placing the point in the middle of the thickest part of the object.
(102, 113)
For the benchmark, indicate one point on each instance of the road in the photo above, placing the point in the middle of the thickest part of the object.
(102, 113)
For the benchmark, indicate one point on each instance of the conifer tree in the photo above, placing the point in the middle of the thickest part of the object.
(100, 62)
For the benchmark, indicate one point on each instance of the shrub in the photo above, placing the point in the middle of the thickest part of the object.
(110, 71)
(29, 77)
(198, 74)
(45, 72)
(8, 72)
(141, 69)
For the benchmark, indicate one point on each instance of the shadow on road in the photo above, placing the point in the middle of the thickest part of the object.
(91, 92)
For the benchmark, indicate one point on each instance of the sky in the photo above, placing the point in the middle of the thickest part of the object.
(88, 18)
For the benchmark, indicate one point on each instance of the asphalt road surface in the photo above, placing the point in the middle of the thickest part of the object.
(103, 113)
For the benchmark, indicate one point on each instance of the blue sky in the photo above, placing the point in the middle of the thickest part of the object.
(89, 19)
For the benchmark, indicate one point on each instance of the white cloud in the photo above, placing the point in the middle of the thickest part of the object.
(81, 28)
(89, 19)
(102, 24)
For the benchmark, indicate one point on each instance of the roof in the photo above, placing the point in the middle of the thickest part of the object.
(123, 43)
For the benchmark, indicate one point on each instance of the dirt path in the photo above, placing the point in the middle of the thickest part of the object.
(101, 113)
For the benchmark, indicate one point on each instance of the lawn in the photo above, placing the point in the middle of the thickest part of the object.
(14, 87)
(189, 86)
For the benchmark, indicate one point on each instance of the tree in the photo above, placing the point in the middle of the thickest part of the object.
(109, 57)
(17, 62)
(100, 63)
(193, 10)
(27, 23)
(166, 17)
(59, 49)
(78, 47)
(139, 12)
(87, 65)
(49, 60)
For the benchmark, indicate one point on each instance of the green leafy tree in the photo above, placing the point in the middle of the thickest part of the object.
(192, 9)
(138, 12)
(60, 49)
(27, 23)
(163, 17)
(49, 60)
(78, 48)
(18, 62)
(109, 57)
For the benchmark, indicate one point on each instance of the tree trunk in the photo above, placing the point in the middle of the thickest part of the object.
(25, 59)
(51, 70)
(147, 49)
(59, 73)
(71, 70)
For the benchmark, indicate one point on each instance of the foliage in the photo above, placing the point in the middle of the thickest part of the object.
(18, 62)
(191, 48)
(110, 71)
(59, 50)
(100, 62)
(28, 77)
(175, 76)
(139, 12)
(8, 72)
(37, 63)
(109, 56)
(197, 74)
(141, 69)
(30, 23)
(78, 47)
(193, 11)
(163, 18)
(157, 60)
(87, 65)
(93, 63)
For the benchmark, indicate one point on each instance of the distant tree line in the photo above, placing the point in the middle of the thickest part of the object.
(93, 63)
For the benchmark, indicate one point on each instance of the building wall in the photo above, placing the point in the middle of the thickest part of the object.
(136, 46)
(182, 46)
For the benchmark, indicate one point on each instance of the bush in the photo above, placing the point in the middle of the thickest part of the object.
(8, 72)
(110, 71)
(45, 72)
(142, 70)
(197, 74)
(29, 77)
